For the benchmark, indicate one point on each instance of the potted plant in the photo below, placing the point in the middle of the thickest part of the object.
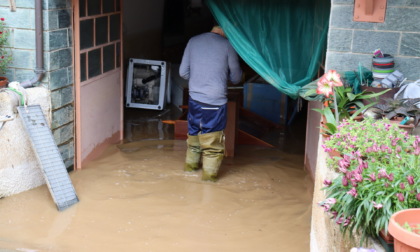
(340, 101)
(393, 109)
(5, 55)
(404, 226)
(377, 175)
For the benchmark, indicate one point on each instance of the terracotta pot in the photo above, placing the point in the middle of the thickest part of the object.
(404, 240)
(407, 127)
(386, 236)
(3, 82)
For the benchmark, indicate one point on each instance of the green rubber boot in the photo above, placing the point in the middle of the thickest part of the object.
(192, 159)
(213, 149)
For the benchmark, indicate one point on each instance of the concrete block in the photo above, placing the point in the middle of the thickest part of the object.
(410, 67)
(59, 59)
(25, 4)
(342, 17)
(64, 133)
(24, 74)
(70, 75)
(368, 41)
(19, 168)
(347, 61)
(414, 3)
(56, 4)
(67, 152)
(61, 97)
(50, 21)
(22, 18)
(24, 39)
(410, 44)
(64, 18)
(57, 39)
(340, 40)
(401, 19)
(348, 2)
(59, 78)
(62, 116)
(23, 59)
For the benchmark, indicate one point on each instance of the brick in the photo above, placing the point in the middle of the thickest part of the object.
(410, 67)
(64, 133)
(410, 44)
(59, 79)
(401, 19)
(56, 39)
(62, 116)
(347, 61)
(59, 59)
(340, 40)
(368, 41)
(342, 16)
(24, 39)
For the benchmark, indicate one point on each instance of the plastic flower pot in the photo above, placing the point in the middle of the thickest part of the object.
(405, 240)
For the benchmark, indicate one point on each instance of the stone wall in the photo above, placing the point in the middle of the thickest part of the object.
(58, 54)
(352, 42)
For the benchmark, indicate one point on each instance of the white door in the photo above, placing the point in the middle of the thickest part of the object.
(98, 77)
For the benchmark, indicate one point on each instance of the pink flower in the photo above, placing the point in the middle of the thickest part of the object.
(358, 177)
(334, 77)
(402, 186)
(353, 192)
(2, 19)
(372, 177)
(382, 173)
(344, 181)
(376, 205)
(400, 196)
(410, 180)
(418, 196)
(327, 182)
(330, 201)
(325, 87)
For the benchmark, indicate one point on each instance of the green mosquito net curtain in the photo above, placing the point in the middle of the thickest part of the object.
(282, 40)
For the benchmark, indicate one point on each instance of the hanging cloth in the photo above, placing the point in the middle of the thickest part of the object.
(282, 40)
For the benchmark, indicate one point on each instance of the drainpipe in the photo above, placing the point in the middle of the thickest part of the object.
(39, 69)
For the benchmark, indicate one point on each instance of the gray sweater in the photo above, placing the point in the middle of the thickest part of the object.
(208, 63)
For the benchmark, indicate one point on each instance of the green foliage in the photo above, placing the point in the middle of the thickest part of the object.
(350, 104)
(377, 175)
(5, 55)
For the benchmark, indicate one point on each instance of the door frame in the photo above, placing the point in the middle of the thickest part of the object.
(78, 161)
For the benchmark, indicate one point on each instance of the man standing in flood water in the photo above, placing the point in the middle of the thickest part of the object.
(209, 62)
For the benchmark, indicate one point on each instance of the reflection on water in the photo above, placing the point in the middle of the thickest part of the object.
(136, 197)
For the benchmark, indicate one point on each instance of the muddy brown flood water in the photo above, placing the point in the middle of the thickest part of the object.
(136, 197)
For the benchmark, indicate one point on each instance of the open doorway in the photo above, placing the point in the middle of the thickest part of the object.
(160, 30)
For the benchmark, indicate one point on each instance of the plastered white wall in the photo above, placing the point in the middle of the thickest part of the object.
(19, 168)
